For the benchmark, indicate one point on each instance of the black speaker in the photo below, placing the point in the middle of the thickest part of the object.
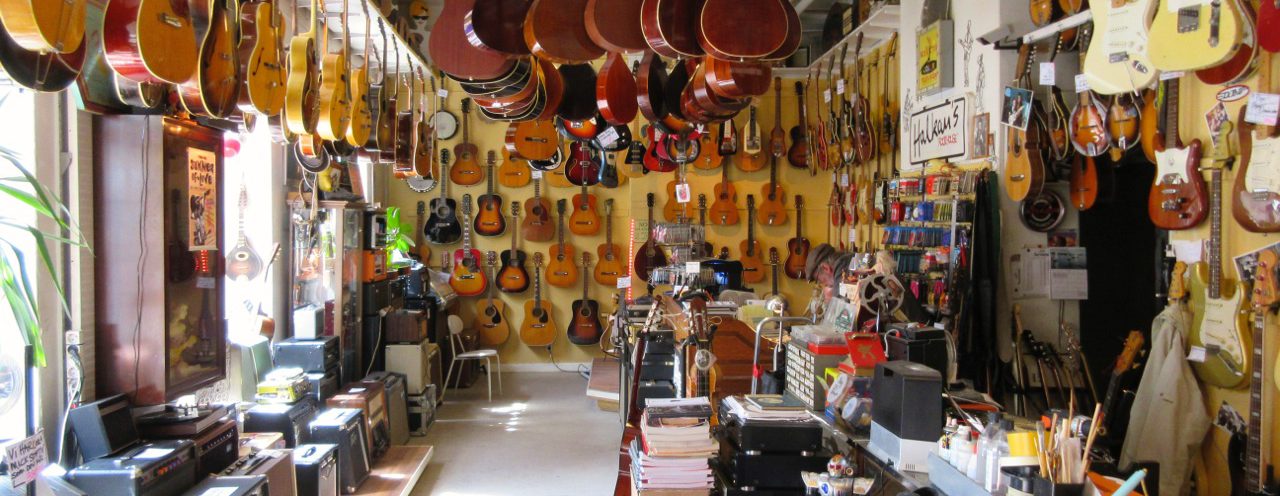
(103, 427)
(293, 421)
(317, 469)
(162, 468)
(232, 485)
(923, 345)
(908, 400)
(345, 427)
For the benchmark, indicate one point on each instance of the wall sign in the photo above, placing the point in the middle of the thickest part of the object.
(939, 131)
(25, 459)
(935, 57)
(202, 194)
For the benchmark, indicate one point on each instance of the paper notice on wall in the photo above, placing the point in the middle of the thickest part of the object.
(1187, 251)
(25, 459)
(202, 195)
(1029, 274)
(1068, 274)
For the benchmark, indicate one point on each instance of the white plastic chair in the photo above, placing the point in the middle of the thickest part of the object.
(455, 345)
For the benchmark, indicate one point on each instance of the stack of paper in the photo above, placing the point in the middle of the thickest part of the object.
(669, 458)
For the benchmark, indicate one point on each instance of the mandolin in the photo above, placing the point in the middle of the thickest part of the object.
(584, 327)
(1217, 302)
(724, 210)
(490, 221)
(150, 40)
(1177, 197)
(773, 209)
(512, 277)
(1123, 117)
(467, 278)
(797, 247)
(562, 271)
(302, 98)
(650, 256)
(423, 249)
(1044, 12)
(514, 172)
(243, 263)
(1202, 34)
(214, 90)
(584, 221)
(798, 154)
(706, 250)
(612, 260)
(752, 253)
(538, 328)
(557, 31)
(1084, 182)
(491, 314)
(537, 223)
(443, 227)
(262, 56)
(1024, 165)
(1088, 127)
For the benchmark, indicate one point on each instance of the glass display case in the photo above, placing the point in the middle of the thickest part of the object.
(326, 260)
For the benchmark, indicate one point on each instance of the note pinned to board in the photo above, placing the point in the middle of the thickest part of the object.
(1048, 74)
(1262, 109)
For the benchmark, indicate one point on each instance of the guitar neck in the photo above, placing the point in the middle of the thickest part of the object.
(1171, 113)
(1215, 234)
(1253, 447)
(537, 287)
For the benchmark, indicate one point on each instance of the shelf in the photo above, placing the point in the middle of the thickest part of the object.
(1041, 33)
(879, 27)
(409, 57)
(398, 471)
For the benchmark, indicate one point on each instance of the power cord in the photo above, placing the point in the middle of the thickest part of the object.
(582, 369)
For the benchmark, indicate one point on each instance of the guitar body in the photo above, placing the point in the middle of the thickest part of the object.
(150, 40)
(710, 158)
(612, 25)
(1135, 71)
(1024, 167)
(1084, 182)
(538, 328)
(491, 322)
(489, 220)
(243, 261)
(533, 140)
(585, 328)
(585, 219)
(1220, 322)
(671, 27)
(38, 71)
(467, 277)
(724, 211)
(360, 121)
(752, 258)
(557, 31)
(1244, 61)
(301, 97)
(1185, 40)
(1149, 134)
(584, 165)
(335, 102)
(798, 154)
(561, 270)
(1257, 201)
(1269, 28)
(261, 58)
(514, 172)
(215, 89)
(797, 255)
(466, 171)
(1178, 199)
(44, 26)
(513, 277)
(497, 26)
(611, 264)
(649, 257)
(443, 227)
(673, 209)
(773, 212)
(454, 54)
(537, 224)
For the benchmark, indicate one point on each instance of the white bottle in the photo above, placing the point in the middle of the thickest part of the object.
(979, 472)
(962, 449)
(997, 450)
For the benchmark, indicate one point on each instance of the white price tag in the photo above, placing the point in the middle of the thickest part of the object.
(1197, 354)
(608, 137)
(206, 282)
(692, 267)
(1262, 109)
(853, 236)
(536, 174)
(624, 282)
(826, 96)
(682, 193)
(844, 180)
(839, 86)
(1082, 83)
(1048, 74)
(442, 93)
(1167, 75)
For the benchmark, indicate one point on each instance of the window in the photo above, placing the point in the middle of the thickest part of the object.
(17, 134)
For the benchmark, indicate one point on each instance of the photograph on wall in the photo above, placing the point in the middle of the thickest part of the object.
(1016, 109)
(202, 195)
(981, 140)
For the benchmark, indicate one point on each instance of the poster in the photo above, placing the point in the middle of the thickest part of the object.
(1068, 274)
(933, 57)
(939, 131)
(202, 195)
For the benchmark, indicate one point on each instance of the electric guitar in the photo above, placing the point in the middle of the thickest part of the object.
(537, 224)
(797, 247)
(538, 328)
(491, 314)
(302, 100)
(443, 227)
(261, 52)
(707, 249)
(490, 221)
(584, 327)
(752, 157)
(150, 41)
(468, 279)
(1256, 479)
(752, 253)
(562, 271)
(512, 277)
(1125, 362)
(1256, 196)
(360, 121)
(335, 87)
(1201, 35)
(1177, 197)
(214, 90)
(242, 261)
(1119, 63)
(466, 171)
(649, 256)
(612, 263)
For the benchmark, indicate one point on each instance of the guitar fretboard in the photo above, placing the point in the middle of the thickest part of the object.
(1171, 114)
(1215, 234)
(1253, 446)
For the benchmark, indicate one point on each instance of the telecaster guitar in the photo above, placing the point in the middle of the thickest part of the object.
(1201, 35)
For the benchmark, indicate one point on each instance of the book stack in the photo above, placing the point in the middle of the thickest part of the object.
(669, 458)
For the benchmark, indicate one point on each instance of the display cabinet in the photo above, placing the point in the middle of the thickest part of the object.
(326, 259)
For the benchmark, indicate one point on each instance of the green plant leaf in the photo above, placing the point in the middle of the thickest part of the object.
(43, 249)
(27, 198)
(21, 301)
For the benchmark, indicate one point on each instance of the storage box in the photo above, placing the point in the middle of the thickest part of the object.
(420, 363)
(804, 375)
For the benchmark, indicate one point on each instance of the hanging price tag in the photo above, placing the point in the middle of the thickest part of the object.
(839, 86)
(1165, 76)
(624, 282)
(844, 180)
(1048, 74)
(682, 193)
(692, 267)
(853, 236)
(536, 174)
(608, 137)
(442, 93)
(1262, 109)
(826, 96)
(1082, 83)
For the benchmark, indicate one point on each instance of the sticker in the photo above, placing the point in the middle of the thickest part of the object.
(624, 282)
(826, 96)
(1233, 93)
(682, 193)
(693, 267)
(839, 86)
(608, 137)
(1197, 354)
(1262, 109)
(442, 93)
(1167, 75)
(1214, 119)
(1082, 83)
(537, 174)
(1048, 74)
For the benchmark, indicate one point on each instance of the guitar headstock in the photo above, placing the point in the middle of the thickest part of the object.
(1265, 290)
(445, 157)
(422, 208)
(1132, 345)
(491, 259)
(1017, 317)
(493, 158)
(466, 105)
(751, 202)
(724, 253)
(648, 199)
(799, 87)
(774, 259)
(561, 206)
(515, 209)
(466, 205)
(608, 207)
(586, 259)
(1177, 286)
(702, 201)
(537, 259)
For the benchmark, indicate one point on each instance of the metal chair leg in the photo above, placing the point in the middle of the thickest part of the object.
(499, 359)
(445, 389)
(488, 375)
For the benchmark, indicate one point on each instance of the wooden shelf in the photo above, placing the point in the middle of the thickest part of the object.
(397, 472)
(879, 27)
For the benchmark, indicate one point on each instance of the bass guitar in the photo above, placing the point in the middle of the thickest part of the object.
(491, 314)
(490, 221)
(612, 260)
(752, 253)
(443, 227)
(649, 256)
(1177, 197)
(797, 247)
(562, 271)
(584, 327)
(1257, 478)
(537, 223)
(584, 221)
(538, 328)
(468, 278)
(512, 277)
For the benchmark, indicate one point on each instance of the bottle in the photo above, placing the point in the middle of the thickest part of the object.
(997, 450)
(979, 472)
(962, 448)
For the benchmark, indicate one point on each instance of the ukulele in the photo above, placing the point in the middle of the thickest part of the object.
(707, 249)
(537, 223)
(1195, 37)
(514, 172)
(468, 279)
(752, 158)
(798, 154)
(512, 277)
(797, 247)
(752, 264)
(490, 221)
(584, 221)
(443, 227)
(423, 248)
(215, 89)
(262, 57)
(335, 89)
(1177, 197)
(1084, 182)
(538, 327)
(584, 327)
(179, 261)
(242, 261)
(777, 138)
(466, 171)
(724, 211)
(1024, 166)
(149, 41)
(561, 271)
(1217, 301)
(649, 256)
(612, 263)
(773, 210)
(491, 314)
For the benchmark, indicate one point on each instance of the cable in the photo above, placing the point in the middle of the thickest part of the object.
(142, 255)
(552, 355)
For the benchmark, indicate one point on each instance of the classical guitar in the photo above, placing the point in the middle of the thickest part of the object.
(491, 314)
(1024, 166)
(777, 138)
(335, 86)
(150, 40)
(562, 270)
(798, 154)
(702, 373)
(443, 227)
(537, 225)
(1119, 63)
(724, 210)
(1218, 301)
(467, 278)
(557, 31)
(514, 172)
(490, 221)
(512, 277)
(538, 328)
(585, 220)
(1177, 197)
(421, 246)
(752, 157)
(302, 99)
(466, 171)
(752, 253)
(650, 256)
(675, 210)
(773, 210)
(243, 261)
(262, 57)
(496, 26)
(612, 260)
(584, 327)
(215, 88)
(797, 247)
(709, 147)
(1202, 34)
(707, 249)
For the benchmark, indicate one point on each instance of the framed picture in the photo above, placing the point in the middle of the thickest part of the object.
(1016, 109)
(935, 53)
(981, 140)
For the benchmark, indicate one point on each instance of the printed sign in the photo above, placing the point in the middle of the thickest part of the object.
(1233, 93)
(940, 131)
(202, 195)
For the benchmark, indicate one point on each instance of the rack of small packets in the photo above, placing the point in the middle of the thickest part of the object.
(928, 222)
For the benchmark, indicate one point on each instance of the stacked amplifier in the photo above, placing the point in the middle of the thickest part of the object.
(411, 356)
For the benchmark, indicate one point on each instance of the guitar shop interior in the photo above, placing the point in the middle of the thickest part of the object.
(639, 247)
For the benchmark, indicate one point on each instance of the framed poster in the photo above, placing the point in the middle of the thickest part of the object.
(939, 131)
(1016, 109)
(935, 53)
(981, 142)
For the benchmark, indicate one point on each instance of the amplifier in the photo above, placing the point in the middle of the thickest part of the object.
(309, 321)
(373, 354)
(924, 345)
(317, 469)
(406, 326)
(658, 368)
(397, 404)
(277, 465)
(370, 397)
(311, 355)
(768, 470)
(399, 286)
(345, 427)
(655, 389)
(171, 422)
(233, 485)
(324, 385)
(377, 296)
(350, 366)
(161, 468)
(216, 447)
(420, 363)
(760, 436)
(422, 410)
(103, 427)
(283, 385)
(292, 421)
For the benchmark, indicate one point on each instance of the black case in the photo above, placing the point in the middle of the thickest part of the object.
(725, 487)
(232, 485)
(655, 389)
(778, 471)
(167, 475)
(310, 355)
(908, 400)
(276, 464)
(658, 368)
(293, 421)
(757, 436)
(345, 427)
(317, 469)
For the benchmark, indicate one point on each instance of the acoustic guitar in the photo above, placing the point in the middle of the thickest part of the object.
(612, 260)
(723, 23)
(443, 227)
(497, 26)
(701, 372)
(468, 279)
(491, 313)
(1024, 165)
(421, 245)
(537, 224)
(43, 26)
(150, 40)
(752, 157)
(584, 327)
(1268, 21)
(706, 249)
(674, 210)
(612, 25)
(1194, 37)
(752, 253)
(616, 90)
(215, 88)
(451, 51)
(1177, 196)
(538, 327)
(650, 256)
(490, 221)
(777, 138)
(335, 86)
(798, 154)
(773, 210)
(466, 171)
(43, 71)
(797, 247)
(724, 210)
(584, 221)
(512, 277)
(562, 270)
(557, 31)
(262, 56)
(533, 140)
(514, 172)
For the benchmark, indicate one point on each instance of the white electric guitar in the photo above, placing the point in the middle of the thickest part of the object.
(1194, 34)
(1117, 59)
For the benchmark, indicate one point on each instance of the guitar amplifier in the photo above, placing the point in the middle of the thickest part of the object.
(317, 469)
(655, 389)
(350, 370)
(324, 385)
(161, 468)
(277, 465)
(309, 321)
(377, 296)
(103, 427)
(283, 385)
(234, 485)
(397, 404)
(216, 447)
(422, 410)
(420, 363)
(371, 398)
(375, 265)
(406, 326)
(345, 427)
(310, 355)
(292, 421)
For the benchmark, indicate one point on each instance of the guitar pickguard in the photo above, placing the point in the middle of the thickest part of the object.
(1171, 166)
(1218, 328)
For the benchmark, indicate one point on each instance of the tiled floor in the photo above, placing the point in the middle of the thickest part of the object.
(542, 436)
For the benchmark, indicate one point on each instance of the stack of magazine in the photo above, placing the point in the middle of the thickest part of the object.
(669, 458)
